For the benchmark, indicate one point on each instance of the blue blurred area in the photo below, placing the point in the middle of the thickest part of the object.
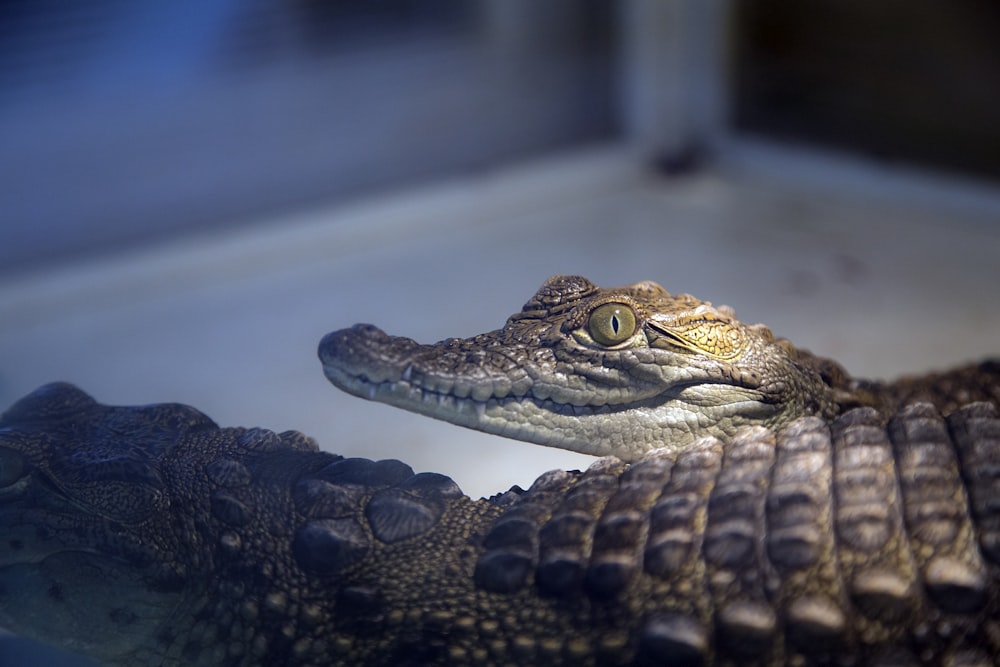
(160, 45)
(129, 122)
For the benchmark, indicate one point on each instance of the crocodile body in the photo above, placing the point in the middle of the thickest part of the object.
(762, 508)
(149, 535)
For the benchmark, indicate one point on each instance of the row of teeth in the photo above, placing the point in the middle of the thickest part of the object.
(450, 401)
(427, 396)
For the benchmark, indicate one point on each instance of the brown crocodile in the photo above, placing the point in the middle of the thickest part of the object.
(622, 371)
(806, 518)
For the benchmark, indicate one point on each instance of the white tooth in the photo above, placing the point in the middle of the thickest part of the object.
(480, 409)
(482, 392)
(407, 372)
(372, 390)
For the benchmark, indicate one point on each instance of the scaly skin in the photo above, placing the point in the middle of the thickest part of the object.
(621, 371)
(150, 536)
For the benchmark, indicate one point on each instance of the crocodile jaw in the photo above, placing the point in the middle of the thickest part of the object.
(571, 414)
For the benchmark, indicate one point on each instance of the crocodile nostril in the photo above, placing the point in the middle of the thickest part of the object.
(344, 342)
(12, 465)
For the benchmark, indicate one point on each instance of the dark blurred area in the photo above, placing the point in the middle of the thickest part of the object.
(898, 80)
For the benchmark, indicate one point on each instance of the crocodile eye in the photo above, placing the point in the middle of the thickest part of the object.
(611, 323)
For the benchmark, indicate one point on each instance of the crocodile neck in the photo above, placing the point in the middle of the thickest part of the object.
(615, 371)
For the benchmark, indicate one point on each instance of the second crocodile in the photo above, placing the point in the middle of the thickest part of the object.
(151, 536)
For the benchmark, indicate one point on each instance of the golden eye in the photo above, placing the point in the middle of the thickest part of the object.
(611, 324)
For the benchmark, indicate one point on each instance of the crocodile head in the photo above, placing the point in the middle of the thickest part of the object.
(86, 521)
(600, 371)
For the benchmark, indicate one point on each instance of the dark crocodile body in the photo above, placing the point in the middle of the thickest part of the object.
(149, 535)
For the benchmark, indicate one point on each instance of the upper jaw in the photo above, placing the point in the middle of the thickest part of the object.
(382, 355)
(366, 362)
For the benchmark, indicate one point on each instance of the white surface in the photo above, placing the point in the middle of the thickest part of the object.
(229, 323)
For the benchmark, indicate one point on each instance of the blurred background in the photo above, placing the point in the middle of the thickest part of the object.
(192, 194)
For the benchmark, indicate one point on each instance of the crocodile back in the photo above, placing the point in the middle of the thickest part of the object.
(865, 537)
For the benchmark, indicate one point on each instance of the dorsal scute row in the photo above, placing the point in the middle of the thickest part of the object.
(817, 538)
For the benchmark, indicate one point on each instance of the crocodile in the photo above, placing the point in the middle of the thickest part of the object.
(806, 518)
(622, 371)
